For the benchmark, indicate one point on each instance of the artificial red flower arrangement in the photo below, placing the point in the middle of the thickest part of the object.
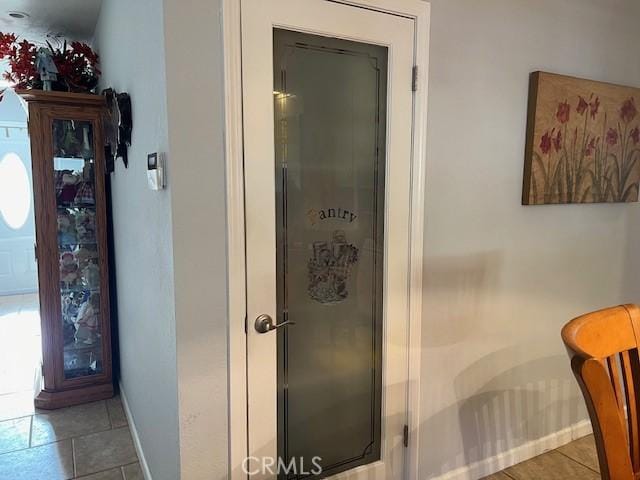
(76, 65)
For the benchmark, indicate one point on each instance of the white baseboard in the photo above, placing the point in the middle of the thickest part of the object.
(518, 454)
(134, 435)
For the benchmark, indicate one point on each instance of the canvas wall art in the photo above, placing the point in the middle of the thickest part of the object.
(583, 141)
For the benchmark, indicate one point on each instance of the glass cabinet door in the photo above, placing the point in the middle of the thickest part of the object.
(77, 241)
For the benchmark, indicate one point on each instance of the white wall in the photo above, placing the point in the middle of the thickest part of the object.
(501, 279)
(171, 246)
(130, 41)
(193, 45)
(12, 108)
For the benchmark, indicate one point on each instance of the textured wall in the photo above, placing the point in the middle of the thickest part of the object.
(130, 40)
(195, 112)
(502, 279)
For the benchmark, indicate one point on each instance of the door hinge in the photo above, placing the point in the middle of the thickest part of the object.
(414, 79)
(405, 436)
(246, 325)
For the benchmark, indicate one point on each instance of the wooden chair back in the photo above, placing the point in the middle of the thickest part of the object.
(603, 347)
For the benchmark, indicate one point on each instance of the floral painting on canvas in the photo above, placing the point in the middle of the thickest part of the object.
(583, 142)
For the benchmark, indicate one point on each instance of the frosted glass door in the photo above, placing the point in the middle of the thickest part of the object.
(327, 133)
(330, 100)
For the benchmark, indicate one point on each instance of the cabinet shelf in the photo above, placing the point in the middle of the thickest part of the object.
(74, 347)
(79, 289)
(77, 244)
(88, 206)
(58, 155)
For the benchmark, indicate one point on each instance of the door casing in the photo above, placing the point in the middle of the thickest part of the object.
(419, 12)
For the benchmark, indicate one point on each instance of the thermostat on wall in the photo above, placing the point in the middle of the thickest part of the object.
(155, 171)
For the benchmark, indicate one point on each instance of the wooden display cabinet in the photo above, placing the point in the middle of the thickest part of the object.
(71, 237)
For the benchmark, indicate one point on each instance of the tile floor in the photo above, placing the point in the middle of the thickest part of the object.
(575, 461)
(90, 442)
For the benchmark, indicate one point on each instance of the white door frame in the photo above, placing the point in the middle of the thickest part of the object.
(419, 12)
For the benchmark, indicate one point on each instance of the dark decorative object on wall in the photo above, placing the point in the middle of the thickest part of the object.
(68, 68)
(583, 142)
(118, 126)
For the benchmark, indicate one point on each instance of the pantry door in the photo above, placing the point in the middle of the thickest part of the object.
(327, 108)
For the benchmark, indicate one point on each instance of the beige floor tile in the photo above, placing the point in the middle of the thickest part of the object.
(133, 472)
(14, 405)
(101, 451)
(48, 462)
(113, 474)
(14, 434)
(69, 422)
(582, 451)
(551, 466)
(497, 476)
(116, 412)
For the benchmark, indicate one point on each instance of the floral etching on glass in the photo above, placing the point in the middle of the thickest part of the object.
(330, 268)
